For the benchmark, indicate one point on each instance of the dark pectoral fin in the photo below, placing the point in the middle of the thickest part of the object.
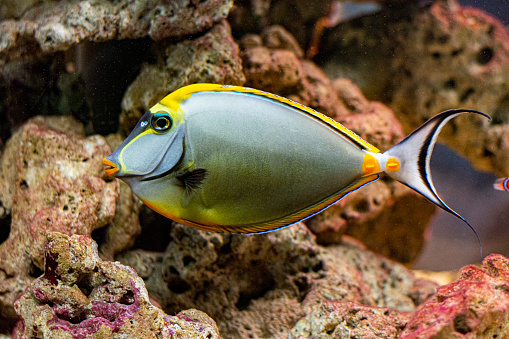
(192, 179)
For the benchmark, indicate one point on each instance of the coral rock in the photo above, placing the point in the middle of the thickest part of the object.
(377, 214)
(349, 320)
(272, 62)
(271, 70)
(475, 306)
(81, 296)
(260, 286)
(52, 179)
(52, 27)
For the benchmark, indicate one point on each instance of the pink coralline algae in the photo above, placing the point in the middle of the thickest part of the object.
(81, 296)
(475, 306)
(112, 315)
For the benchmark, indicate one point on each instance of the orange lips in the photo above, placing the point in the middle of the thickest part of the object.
(112, 169)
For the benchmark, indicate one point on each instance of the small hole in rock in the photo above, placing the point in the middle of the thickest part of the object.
(318, 267)
(460, 324)
(188, 260)
(23, 185)
(362, 206)
(5, 226)
(467, 94)
(177, 285)
(485, 55)
(99, 235)
(127, 298)
(85, 285)
(450, 84)
(226, 248)
(155, 231)
(35, 272)
(173, 270)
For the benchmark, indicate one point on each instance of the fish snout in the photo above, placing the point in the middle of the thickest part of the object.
(111, 169)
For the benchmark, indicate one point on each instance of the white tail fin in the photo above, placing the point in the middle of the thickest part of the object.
(414, 154)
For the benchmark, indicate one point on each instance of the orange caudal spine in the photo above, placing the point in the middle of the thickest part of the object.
(370, 165)
(374, 163)
(392, 164)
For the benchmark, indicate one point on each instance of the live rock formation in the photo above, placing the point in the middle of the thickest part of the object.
(260, 286)
(474, 306)
(52, 180)
(81, 296)
(106, 62)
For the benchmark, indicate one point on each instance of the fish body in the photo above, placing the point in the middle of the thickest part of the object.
(235, 159)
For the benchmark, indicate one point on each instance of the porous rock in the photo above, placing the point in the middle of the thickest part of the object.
(210, 58)
(56, 26)
(474, 306)
(423, 59)
(81, 296)
(378, 215)
(334, 319)
(260, 286)
(297, 16)
(52, 179)
(273, 62)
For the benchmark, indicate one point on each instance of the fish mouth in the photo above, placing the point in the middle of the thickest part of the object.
(111, 169)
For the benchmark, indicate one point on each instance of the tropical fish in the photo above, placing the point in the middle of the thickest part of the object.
(501, 184)
(235, 159)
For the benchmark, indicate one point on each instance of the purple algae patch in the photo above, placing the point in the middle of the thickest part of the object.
(39, 295)
(186, 317)
(50, 268)
(109, 314)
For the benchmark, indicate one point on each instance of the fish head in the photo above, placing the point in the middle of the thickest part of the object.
(152, 150)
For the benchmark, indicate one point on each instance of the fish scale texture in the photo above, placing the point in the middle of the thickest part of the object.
(81, 296)
(377, 213)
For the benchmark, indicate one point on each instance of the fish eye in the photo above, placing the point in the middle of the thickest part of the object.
(161, 122)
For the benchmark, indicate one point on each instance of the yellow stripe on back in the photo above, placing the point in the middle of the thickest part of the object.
(174, 100)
